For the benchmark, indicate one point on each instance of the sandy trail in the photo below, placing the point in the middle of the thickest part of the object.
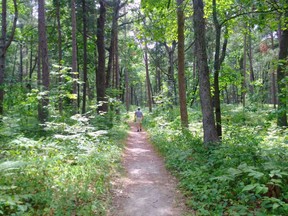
(147, 189)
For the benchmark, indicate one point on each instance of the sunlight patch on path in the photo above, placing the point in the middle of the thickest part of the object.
(147, 189)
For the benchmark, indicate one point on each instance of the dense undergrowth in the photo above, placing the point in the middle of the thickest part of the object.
(63, 170)
(247, 174)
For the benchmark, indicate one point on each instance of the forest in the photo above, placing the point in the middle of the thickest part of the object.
(211, 77)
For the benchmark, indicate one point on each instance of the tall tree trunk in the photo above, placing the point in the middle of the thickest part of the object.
(158, 82)
(273, 77)
(282, 74)
(100, 72)
(147, 78)
(21, 64)
(171, 79)
(113, 63)
(243, 90)
(127, 84)
(4, 44)
(85, 80)
(127, 93)
(74, 51)
(217, 65)
(252, 78)
(59, 31)
(181, 65)
(210, 132)
(44, 61)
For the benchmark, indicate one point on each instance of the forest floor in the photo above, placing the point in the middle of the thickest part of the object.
(146, 188)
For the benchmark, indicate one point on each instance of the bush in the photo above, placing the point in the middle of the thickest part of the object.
(65, 173)
(246, 175)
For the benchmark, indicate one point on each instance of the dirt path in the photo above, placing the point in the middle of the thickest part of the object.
(147, 189)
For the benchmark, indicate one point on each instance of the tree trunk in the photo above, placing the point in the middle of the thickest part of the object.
(21, 64)
(217, 65)
(252, 78)
(127, 84)
(44, 61)
(59, 31)
(147, 78)
(85, 80)
(100, 73)
(127, 88)
(74, 51)
(210, 133)
(4, 44)
(181, 65)
(3, 52)
(282, 74)
(171, 79)
(273, 78)
(243, 90)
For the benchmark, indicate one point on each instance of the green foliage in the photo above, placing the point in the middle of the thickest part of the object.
(246, 175)
(66, 172)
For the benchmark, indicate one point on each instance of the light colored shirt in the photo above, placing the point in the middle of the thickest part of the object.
(139, 114)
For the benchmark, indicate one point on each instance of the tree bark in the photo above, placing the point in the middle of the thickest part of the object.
(243, 90)
(282, 74)
(44, 61)
(217, 65)
(74, 51)
(59, 31)
(85, 80)
(181, 65)
(210, 133)
(170, 74)
(252, 78)
(127, 83)
(21, 64)
(273, 78)
(147, 78)
(100, 73)
(113, 70)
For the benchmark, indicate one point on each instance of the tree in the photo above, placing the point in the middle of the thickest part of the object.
(148, 89)
(181, 65)
(282, 73)
(74, 48)
(43, 66)
(172, 92)
(59, 32)
(100, 72)
(85, 79)
(4, 44)
(218, 60)
(210, 133)
(113, 64)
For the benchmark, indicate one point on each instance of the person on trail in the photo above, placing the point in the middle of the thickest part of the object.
(139, 117)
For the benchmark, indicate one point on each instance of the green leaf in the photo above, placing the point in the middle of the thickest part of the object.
(8, 165)
(234, 172)
(249, 187)
(275, 205)
(261, 189)
(256, 174)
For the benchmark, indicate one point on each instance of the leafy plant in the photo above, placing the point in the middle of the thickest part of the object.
(245, 175)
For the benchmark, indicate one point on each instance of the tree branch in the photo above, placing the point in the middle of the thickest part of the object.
(245, 13)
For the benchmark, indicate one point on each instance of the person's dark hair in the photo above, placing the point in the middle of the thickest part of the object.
(138, 108)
